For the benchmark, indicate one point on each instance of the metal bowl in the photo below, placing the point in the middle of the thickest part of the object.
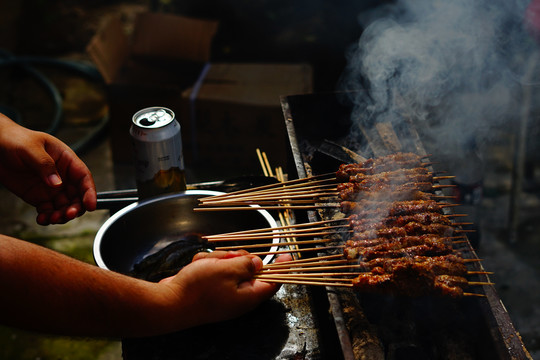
(145, 227)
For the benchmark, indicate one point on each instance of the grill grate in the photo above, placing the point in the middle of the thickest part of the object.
(384, 327)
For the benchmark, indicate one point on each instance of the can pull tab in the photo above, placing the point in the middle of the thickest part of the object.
(147, 122)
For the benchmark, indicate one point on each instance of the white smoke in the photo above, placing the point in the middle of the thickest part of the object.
(455, 66)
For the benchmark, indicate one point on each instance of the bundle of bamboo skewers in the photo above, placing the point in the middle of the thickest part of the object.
(392, 233)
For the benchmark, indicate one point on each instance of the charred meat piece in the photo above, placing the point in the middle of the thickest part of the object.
(352, 191)
(382, 164)
(450, 286)
(445, 264)
(402, 247)
(398, 231)
(401, 242)
(377, 232)
(374, 230)
(396, 177)
(425, 218)
(436, 267)
(417, 250)
(403, 283)
(392, 208)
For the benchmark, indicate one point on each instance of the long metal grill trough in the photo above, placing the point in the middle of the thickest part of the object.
(370, 326)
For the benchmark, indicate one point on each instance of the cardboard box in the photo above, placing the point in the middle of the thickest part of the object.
(151, 66)
(235, 110)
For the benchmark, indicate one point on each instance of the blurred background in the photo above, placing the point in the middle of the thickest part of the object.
(294, 47)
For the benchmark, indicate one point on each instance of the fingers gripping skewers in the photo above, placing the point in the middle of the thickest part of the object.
(398, 238)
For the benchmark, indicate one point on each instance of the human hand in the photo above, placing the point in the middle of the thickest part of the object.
(219, 286)
(44, 172)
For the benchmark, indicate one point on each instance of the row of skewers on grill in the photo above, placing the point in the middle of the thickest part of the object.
(393, 233)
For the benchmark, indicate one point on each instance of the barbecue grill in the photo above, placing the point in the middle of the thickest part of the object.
(322, 135)
(296, 324)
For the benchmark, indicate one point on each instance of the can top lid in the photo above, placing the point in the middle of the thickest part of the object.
(153, 117)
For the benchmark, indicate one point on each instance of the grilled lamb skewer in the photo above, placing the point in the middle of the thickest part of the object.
(353, 245)
(392, 208)
(417, 250)
(412, 284)
(395, 177)
(425, 218)
(382, 164)
(441, 263)
(409, 246)
(352, 191)
(374, 231)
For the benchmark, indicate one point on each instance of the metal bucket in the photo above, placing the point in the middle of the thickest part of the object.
(145, 227)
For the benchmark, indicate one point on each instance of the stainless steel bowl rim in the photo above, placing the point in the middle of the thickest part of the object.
(113, 218)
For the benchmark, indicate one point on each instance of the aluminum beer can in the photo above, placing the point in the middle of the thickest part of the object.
(157, 146)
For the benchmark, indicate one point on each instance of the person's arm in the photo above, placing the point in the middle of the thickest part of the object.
(45, 291)
(44, 172)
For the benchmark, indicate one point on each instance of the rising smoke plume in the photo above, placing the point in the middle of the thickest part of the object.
(457, 66)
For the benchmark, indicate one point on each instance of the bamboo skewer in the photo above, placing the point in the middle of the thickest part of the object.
(310, 275)
(325, 277)
(300, 226)
(321, 249)
(263, 163)
(332, 265)
(480, 273)
(306, 282)
(255, 207)
(302, 261)
(282, 187)
(290, 183)
(283, 202)
(256, 231)
(301, 278)
(324, 281)
(473, 294)
(283, 235)
(480, 283)
(306, 242)
(309, 264)
(317, 179)
(268, 231)
(295, 198)
(263, 202)
(314, 277)
(307, 234)
(285, 216)
(283, 194)
(317, 192)
(279, 234)
(292, 207)
(345, 276)
(295, 273)
(311, 192)
(447, 177)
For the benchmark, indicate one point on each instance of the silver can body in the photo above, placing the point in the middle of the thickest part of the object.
(158, 155)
